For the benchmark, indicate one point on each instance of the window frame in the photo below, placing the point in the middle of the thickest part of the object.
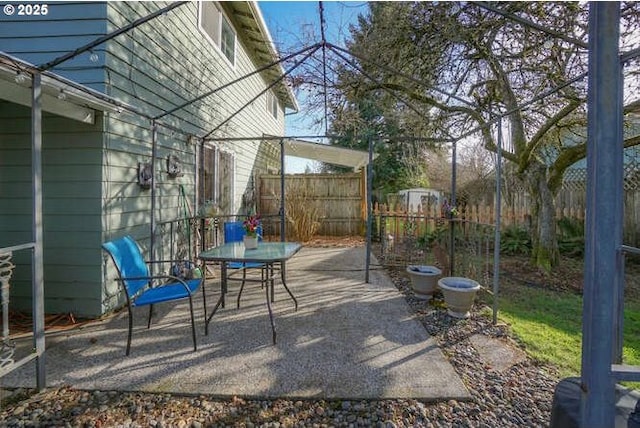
(226, 181)
(218, 41)
(217, 178)
(273, 104)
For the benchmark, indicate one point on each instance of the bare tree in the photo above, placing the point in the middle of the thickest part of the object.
(475, 62)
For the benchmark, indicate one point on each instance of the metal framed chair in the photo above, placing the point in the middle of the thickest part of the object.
(235, 232)
(142, 289)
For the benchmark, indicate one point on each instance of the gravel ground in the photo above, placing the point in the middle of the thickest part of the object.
(520, 396)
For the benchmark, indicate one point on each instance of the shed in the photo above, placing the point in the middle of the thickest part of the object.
(419, 196)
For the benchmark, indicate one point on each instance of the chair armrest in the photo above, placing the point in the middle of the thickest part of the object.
(150, 278)
(169, 261)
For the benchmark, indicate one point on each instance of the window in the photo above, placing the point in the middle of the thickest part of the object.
(224, 191)
(207, 175)
(272, 104)
(217, 27)
(216, 178)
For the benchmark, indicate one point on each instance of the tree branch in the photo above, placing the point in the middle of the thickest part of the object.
(538, 139)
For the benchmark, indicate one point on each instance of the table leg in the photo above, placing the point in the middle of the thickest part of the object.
(284, 282)
(220, 302)
(270, 276)
(223, 281)
(267, 295)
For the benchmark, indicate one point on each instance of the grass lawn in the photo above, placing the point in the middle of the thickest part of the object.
(549, 323)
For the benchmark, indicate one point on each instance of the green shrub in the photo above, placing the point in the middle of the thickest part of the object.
(436, 235)
(571, 236)
(515, 240)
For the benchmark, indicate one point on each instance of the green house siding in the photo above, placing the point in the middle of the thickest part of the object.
(90, 172)
(157, 67)
(66, 26)
(170, 61)
(71, 174)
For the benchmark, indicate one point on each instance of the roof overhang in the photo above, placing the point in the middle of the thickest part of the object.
(60, 96)
(256, 34)
(326, 153)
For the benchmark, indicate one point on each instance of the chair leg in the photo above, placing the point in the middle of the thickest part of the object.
(130, 329)
(204, 299)
(150, 313)
(193, 324)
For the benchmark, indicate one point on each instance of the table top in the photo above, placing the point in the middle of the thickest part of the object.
(266, 252)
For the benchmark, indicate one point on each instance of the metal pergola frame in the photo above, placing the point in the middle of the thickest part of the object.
(603, 262)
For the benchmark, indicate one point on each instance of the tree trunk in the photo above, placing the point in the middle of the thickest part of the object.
(544, 241)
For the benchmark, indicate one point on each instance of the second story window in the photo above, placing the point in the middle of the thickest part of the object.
(217, 27)
(272, 104)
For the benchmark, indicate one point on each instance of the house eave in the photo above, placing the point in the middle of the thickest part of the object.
(249, 15)
(60, 96)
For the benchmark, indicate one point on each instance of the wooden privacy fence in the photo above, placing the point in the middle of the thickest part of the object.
(338, 198)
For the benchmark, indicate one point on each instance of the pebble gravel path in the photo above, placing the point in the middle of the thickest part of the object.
(519, 396)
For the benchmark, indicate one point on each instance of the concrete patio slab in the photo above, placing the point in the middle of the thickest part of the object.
(348, 340)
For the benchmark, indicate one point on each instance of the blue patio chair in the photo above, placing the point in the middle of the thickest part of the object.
(235, 232)
(143, 289)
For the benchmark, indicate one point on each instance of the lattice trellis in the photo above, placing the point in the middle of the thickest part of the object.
(7, 347)
(576, 179)
(631, 174)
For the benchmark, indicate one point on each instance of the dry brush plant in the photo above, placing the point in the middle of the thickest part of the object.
(303, 213)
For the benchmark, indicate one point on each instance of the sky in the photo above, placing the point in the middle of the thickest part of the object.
(296, 24)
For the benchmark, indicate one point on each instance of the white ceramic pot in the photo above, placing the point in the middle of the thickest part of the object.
(250, 242)
(459, 294)
(424, 280)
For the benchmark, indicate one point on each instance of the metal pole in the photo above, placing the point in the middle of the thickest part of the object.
(618, 309)
(282, 195)
(603, 234)
(38, 253)
(369, 209)
(198, 151)
(452, 234)
(496, 243)
(154, 149)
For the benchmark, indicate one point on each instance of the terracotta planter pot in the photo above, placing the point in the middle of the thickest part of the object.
(250, 242)
(459, 294)
(424, 280)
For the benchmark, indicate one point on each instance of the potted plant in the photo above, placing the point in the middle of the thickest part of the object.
(459, 294)
(424, 280)
(252, 227)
